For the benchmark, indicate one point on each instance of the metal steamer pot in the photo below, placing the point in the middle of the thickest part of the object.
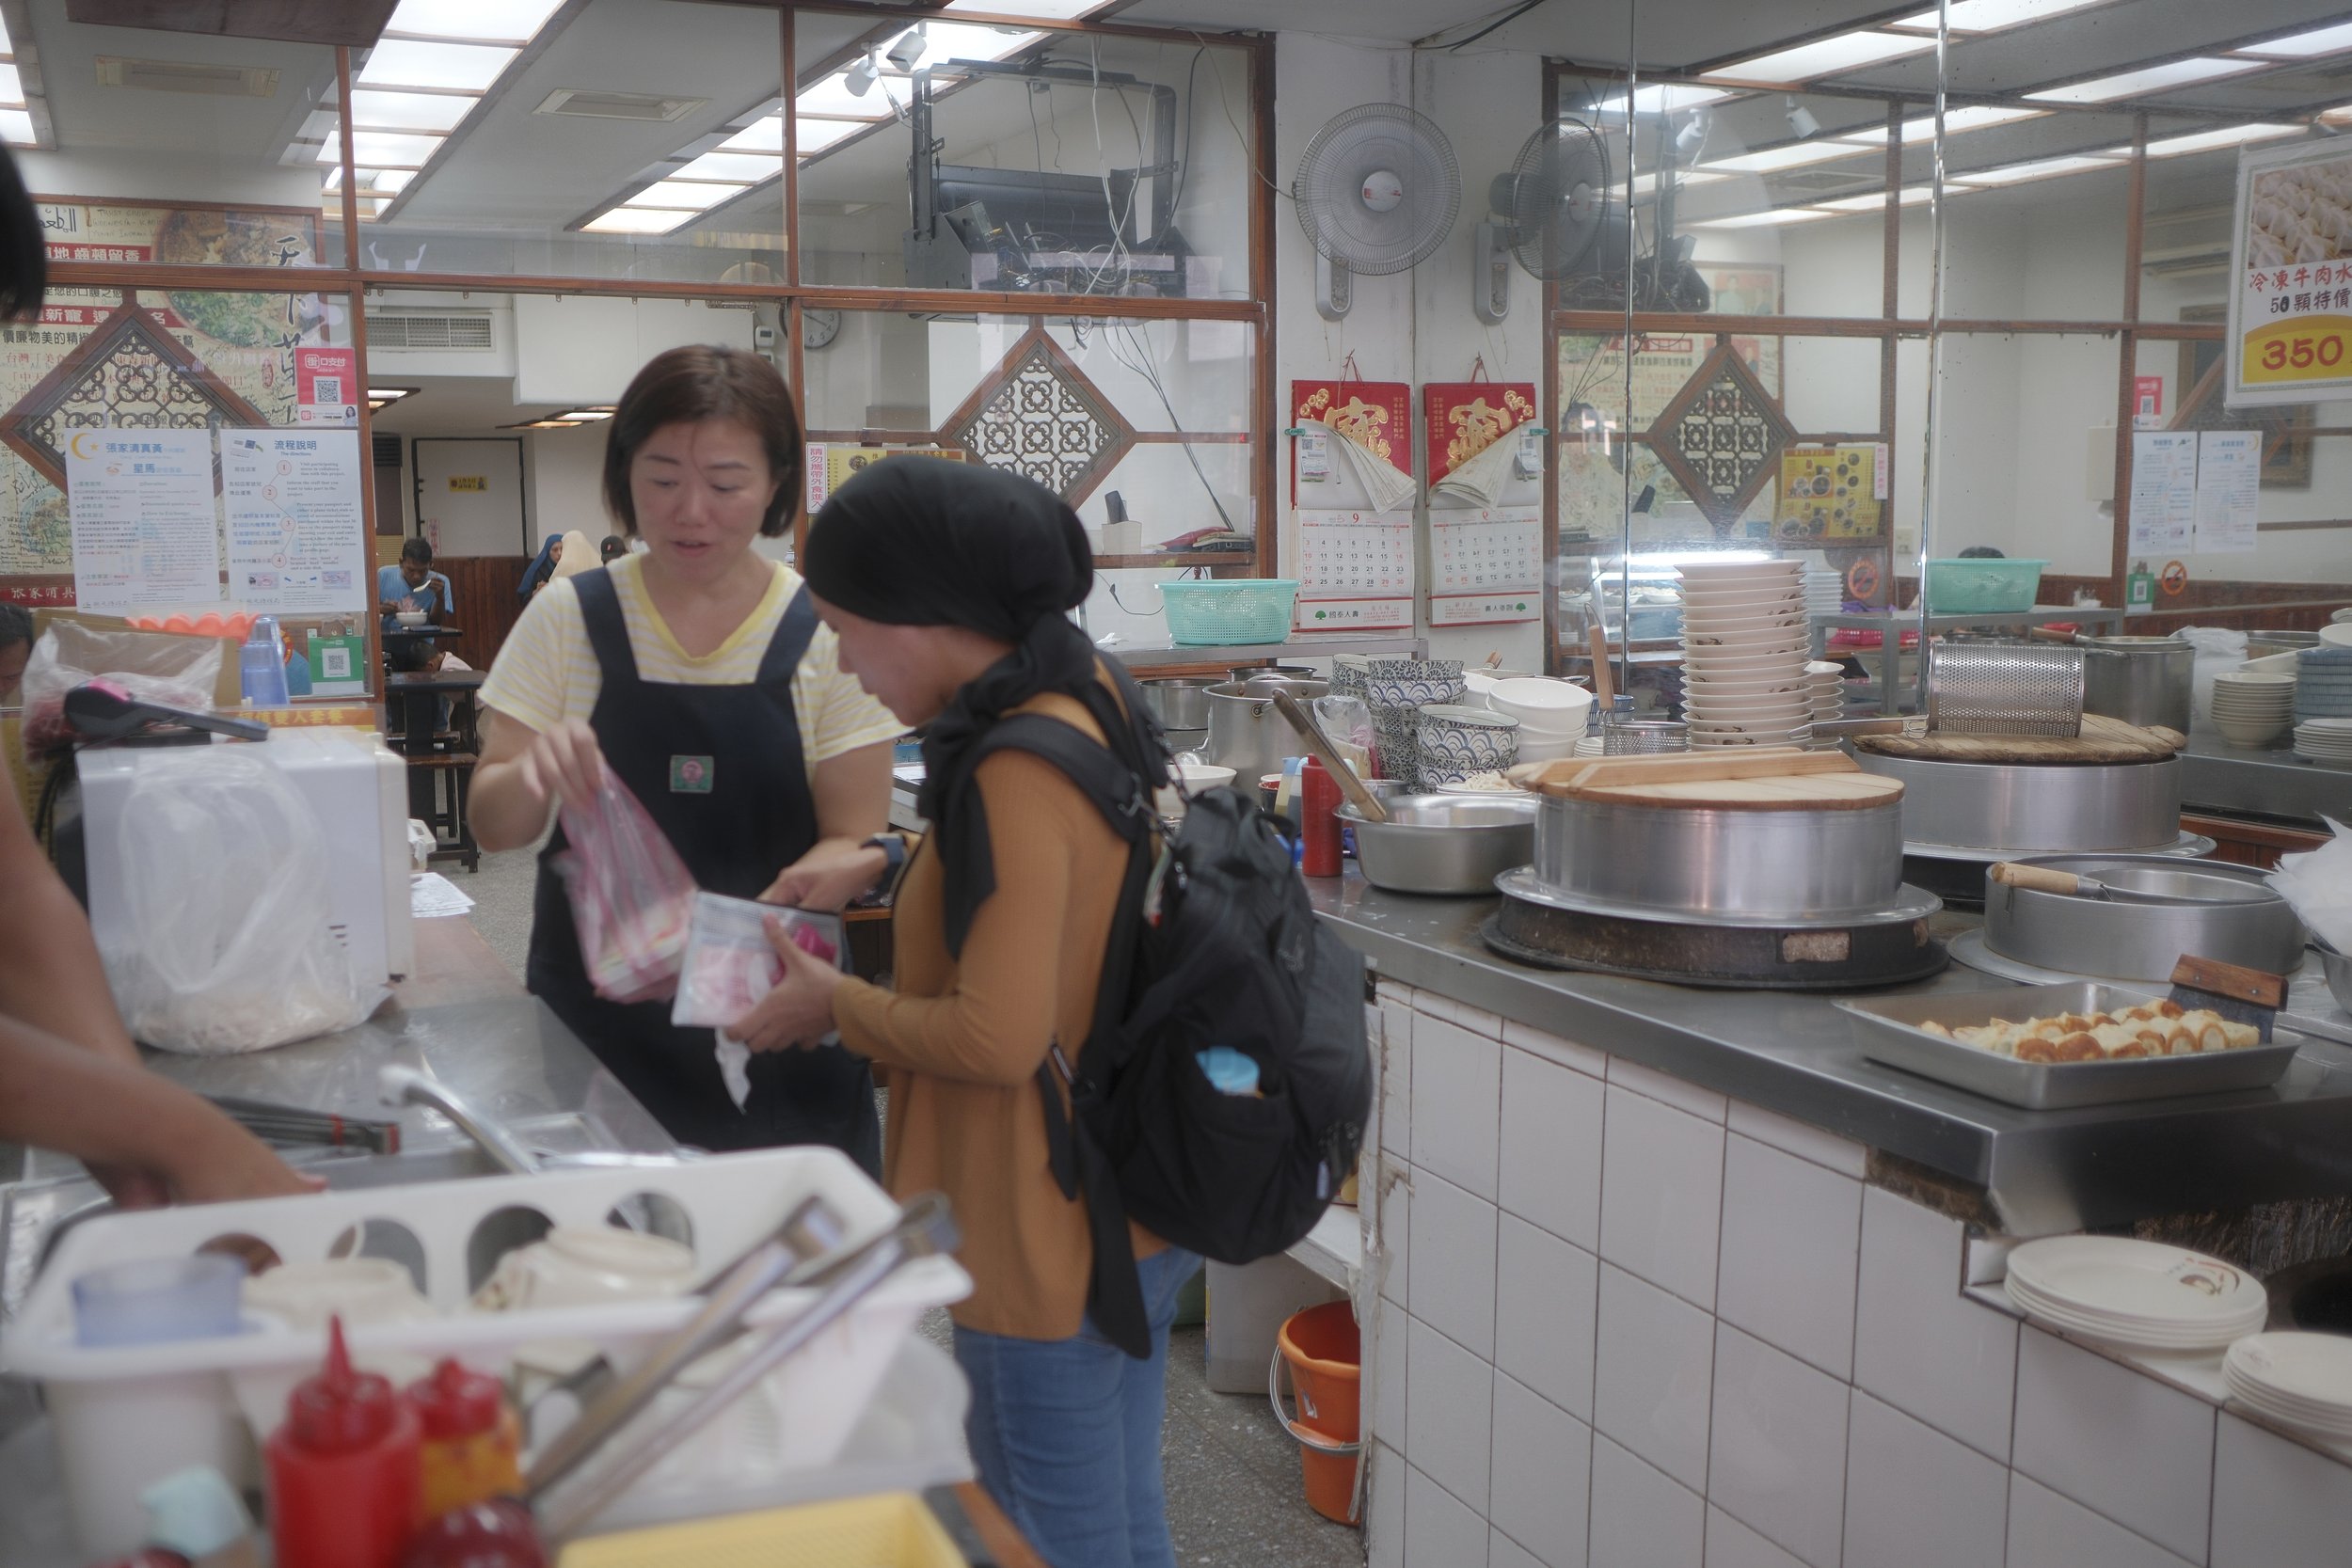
(2141, 680)
(2035, 808)
(1806, 865)
(2213, 909)
(1246, 733)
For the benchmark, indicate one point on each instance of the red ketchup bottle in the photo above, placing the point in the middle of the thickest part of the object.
(345, 1473)
(1319, 827)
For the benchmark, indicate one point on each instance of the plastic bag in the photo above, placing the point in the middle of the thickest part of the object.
(231, 944)
(153, 666)
(2219, 650)
(631, 897)
(729, 964)
(2318, 885)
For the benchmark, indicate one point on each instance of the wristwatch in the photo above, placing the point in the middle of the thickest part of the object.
(894, 848)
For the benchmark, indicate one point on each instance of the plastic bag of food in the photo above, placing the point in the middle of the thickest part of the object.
(2318, 886)
(631, 897)
(152, 666)
(729, 963)
(230, 943)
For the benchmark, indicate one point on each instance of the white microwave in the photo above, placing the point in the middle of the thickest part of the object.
(360, 793)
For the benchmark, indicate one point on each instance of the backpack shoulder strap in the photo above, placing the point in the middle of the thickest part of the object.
(1110, 783)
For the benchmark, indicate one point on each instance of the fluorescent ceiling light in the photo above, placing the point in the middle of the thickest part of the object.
(5, 47)
(1659, 100)
(2205, 141)
(508, 21)
(1911, 195)
(2303, 46)
(1684, 180)
(690, 193)
(585, 416)
(734, 168)
(1991, 16)
(383, 148)
(12, 86)
(1754, 220)
(382, 395)
(1791, 156)
(16, 128)
(391, 181)
(766, 134)
(969, 41)
(460, 67)
(833, 98)
(1975, 117)
(635, 220)
(1038, 11)
(2155, 78)
(379, 110)
(2041, 168)
(1823, 57)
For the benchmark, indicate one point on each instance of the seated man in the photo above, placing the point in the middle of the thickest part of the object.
(412, 585)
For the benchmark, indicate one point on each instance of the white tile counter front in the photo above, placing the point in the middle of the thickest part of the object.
(1614, 1321)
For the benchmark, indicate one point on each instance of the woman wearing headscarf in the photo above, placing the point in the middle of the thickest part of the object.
(695, 671)
(948, 587)
(542, 567)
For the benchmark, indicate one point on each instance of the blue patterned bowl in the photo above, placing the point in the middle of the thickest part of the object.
(1457, 742)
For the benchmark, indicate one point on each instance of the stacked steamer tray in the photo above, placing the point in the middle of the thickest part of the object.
(1744, 639)
(1971, 800)
(1825, 692)
(1824, 591)
(1770, 867)
(2252, 707)
(2300, 1380)
(2323, 703)
(2142, 1295)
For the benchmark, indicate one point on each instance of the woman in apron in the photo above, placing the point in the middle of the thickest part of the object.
(695, 671)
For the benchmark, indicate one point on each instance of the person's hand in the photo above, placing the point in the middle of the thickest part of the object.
(798, 1012)
(132, 1186)
(828, 876)
(563, 764)
(234, 1163)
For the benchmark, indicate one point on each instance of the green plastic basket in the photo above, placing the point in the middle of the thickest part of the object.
(1986, 586)
(1229, 610)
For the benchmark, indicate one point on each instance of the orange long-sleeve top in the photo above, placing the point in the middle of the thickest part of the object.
(963, 1040)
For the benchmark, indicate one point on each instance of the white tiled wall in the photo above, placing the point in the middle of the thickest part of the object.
(1622, 1323)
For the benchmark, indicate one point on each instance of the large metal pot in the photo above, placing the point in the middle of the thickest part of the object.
(2141, 680)
(1457, 843)
(2036, 808)
(1179, 702)
(1728, 863)
(1246, 733)
(2131, 939)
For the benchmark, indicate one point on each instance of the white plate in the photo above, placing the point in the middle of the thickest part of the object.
(1788, 715)
(2144, 1281)
(1719, 574)
(2336, 634)
(1703, 685)
(1698, 628)
(1797, 738)
(2242, 1318)
(2302, 1370)
(1735, 668)
(2327, 726)
(1734, 604)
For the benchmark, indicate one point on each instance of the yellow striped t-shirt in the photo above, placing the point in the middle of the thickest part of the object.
(546, 672)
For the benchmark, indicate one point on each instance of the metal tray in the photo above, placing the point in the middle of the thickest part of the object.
(1888, 1032)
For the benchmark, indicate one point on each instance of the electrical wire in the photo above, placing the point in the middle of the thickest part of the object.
(1502, 21)
(1216, 73)
(1121, 330)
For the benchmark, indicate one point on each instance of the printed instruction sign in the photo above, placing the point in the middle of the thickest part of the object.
(2228, 493)
(297, 533)
(2291, 270)
(140, 502)
(2164, 490)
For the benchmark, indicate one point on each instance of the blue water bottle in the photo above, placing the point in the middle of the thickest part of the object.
(261, 667)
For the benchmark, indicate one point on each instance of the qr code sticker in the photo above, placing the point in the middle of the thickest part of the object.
(327, 389)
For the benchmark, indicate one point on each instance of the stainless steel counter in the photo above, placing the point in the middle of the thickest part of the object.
(2272, 783)
(2042, 1171)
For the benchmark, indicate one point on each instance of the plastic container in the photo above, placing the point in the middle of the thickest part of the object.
(125, 1416)
(1990, 586)
(261, 665)
(1228, 611)
(893, 1530)
(157, 1300)
(472, 1442)
(1323, 1352)
(343, 1470)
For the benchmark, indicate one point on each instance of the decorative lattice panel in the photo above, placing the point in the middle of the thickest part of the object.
(1721, 435)
(131, 373)
(1039, 416)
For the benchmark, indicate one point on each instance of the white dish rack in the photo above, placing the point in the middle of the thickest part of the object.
(126, 1415)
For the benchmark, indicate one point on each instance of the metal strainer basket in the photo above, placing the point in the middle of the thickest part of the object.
(1624, 735)
(2005, 688)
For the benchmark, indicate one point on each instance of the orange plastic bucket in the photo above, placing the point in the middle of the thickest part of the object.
(1325, 1356)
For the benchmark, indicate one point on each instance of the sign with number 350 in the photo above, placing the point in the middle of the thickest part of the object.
(2291, 296)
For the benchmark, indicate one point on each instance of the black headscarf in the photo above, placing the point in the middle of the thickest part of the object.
(924, 542)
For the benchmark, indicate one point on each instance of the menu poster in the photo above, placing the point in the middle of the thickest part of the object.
(1376, 417)
(2290, 335)
(1463, 418)
(2228, 490)
(140, 506)
(831, 464)
(2164, 490)
(1829, 493)
(297, 536)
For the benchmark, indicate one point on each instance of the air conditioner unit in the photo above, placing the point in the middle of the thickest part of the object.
(593, 104)
(2192, 243)
(442, 332)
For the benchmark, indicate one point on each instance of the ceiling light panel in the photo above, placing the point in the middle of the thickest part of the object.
(2150, 79)
(1911, 195)
(635, 220)
(2303, 46)
(969, 41)
(1661, 99)
(1991, 16)
(16, 128)
(1823, 58)
(734, 168)
(1793, 155)
(5, 47)
(377, 110)
(2041, 168)
(500, 20)
(694, 194)
(389, 180)
(1757, 220)
(1688, 179)
(831, 97)
(1975, 117)
(1041, 10)
(12, 86)
(382, 147)
(2205, 141)
(459, 67)
(766, 134)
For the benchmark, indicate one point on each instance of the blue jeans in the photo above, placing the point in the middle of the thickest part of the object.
(1066, 1433)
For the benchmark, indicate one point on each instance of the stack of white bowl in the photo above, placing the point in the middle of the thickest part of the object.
(1825, 692)
(2252, 707)
(2141, 1294)
(1551, 713)
(2304, 1380)
(1743, 653)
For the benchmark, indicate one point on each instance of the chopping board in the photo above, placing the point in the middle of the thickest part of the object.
(2104, 740)
(1763, 779)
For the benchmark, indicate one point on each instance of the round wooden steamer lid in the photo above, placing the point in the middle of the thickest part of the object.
(1795, 792)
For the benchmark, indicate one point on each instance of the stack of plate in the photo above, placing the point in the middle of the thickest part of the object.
(2252, 707)
(1743, 653)
(1825, 692)
(2304, 1380)
(2323, 682)
(2140, 1294)
(1824, 592)
(2325, 740)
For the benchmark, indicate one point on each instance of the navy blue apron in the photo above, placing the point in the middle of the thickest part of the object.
(719, 770)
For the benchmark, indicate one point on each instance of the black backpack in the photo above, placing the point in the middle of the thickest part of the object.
(1215, 943)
